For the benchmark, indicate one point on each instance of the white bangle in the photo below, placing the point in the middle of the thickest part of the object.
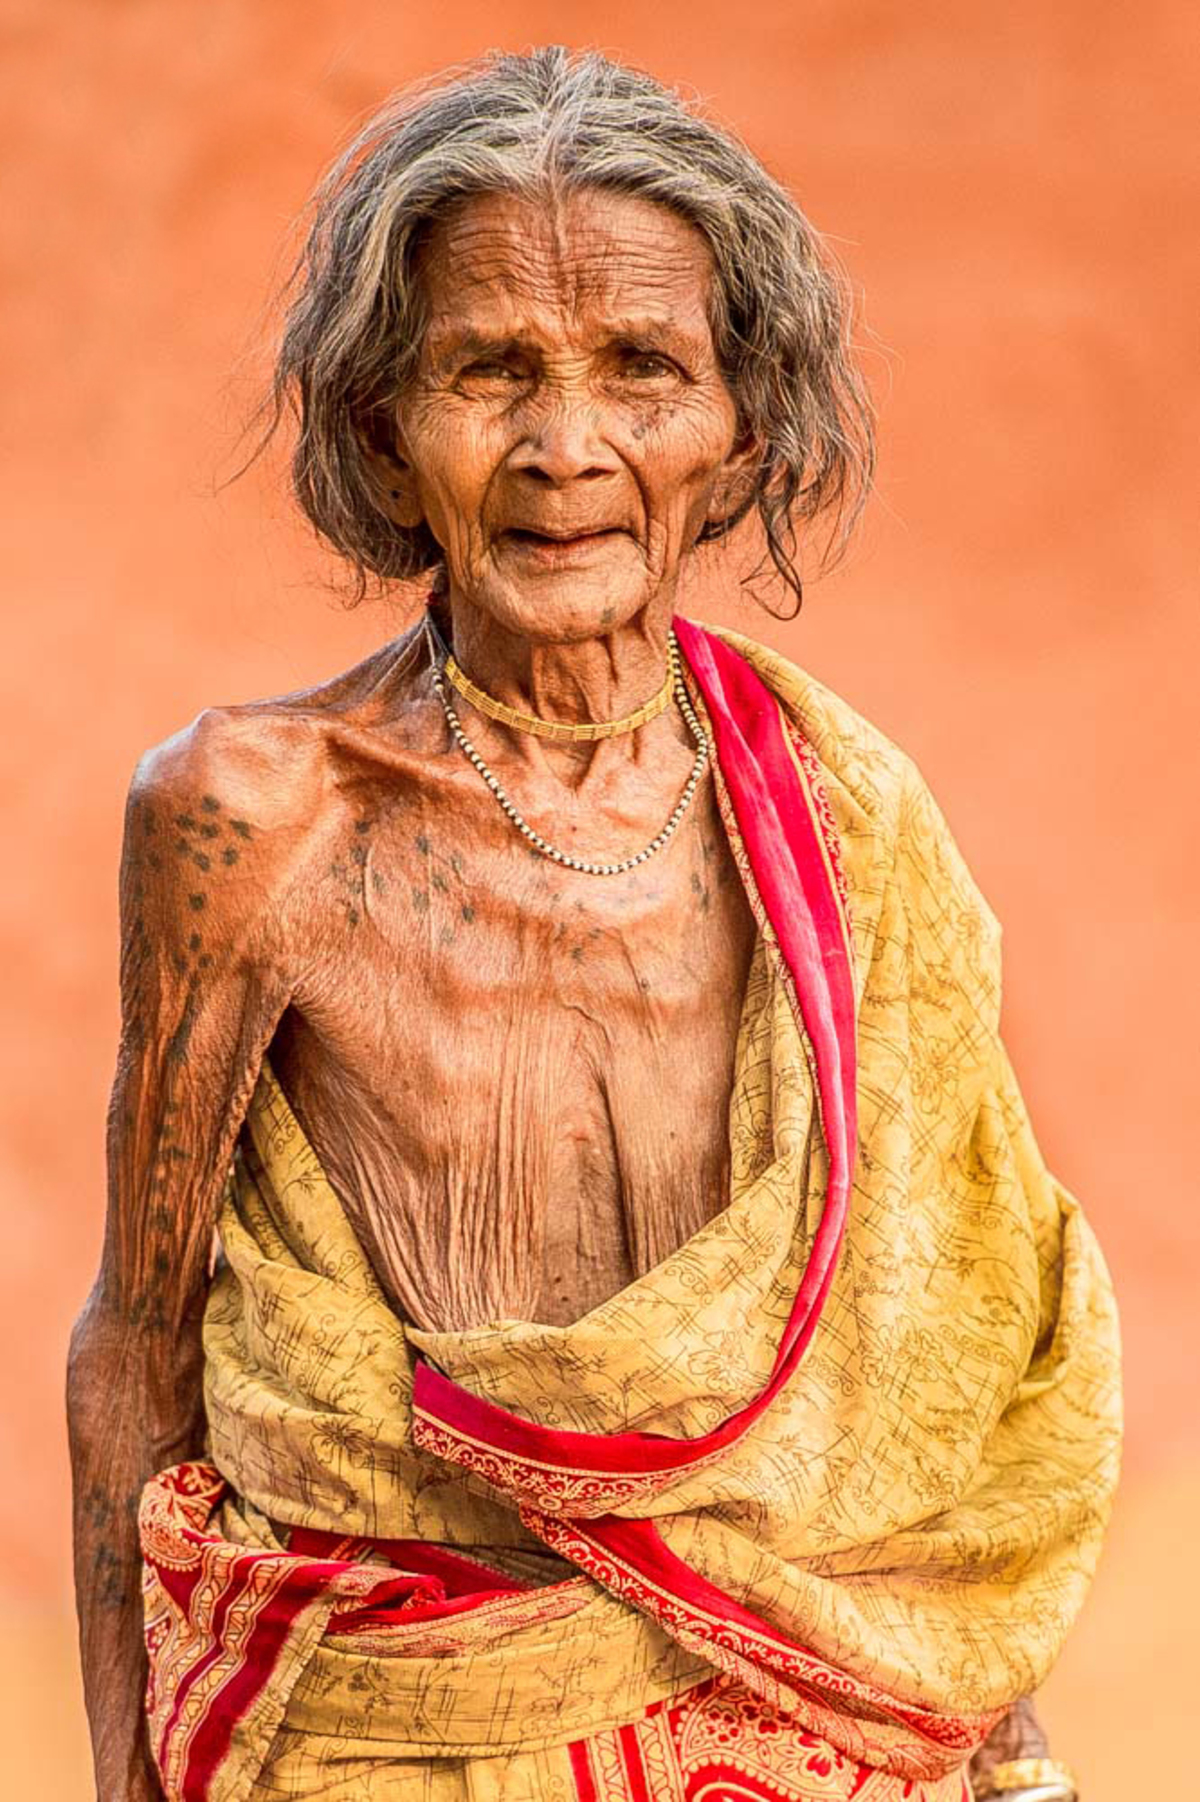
(1030, 1780)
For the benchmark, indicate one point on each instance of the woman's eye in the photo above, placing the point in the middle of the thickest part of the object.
(647, 365)
(492, 369)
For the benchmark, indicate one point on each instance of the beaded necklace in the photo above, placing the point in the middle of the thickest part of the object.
(441, 656)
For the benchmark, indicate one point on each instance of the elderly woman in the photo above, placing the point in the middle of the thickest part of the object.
(646, 1355)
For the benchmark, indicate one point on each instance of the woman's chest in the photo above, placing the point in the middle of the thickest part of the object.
(524, 1093)
(442, 968)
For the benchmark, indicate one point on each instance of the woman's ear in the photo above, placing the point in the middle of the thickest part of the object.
(733, 490)
(391, 475)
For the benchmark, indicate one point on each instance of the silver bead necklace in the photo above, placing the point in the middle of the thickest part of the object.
(504, 801)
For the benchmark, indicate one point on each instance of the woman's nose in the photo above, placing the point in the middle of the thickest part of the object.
(566, 444)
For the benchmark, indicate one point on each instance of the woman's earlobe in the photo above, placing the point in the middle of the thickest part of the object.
(405, 506)
(395, 489)
(389, 473)
(735, 488)
(732, 497)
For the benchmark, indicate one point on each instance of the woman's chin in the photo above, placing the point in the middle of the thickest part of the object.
(563, 604)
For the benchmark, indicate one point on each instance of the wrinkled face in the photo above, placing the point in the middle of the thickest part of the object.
(569, 429)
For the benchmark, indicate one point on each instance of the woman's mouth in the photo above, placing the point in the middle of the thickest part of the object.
(556, 548)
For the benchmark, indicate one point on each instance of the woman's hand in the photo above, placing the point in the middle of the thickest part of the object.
(1018, 1735)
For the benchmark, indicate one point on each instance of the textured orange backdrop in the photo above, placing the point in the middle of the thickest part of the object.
(1015, 188)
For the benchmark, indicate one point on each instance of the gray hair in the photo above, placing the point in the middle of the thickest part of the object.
(544, 123)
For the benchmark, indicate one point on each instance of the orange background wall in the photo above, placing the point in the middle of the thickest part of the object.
(1015, 188)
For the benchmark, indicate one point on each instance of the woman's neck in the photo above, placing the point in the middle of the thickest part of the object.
(586, 682)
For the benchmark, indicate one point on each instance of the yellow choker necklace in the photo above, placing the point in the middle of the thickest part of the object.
(584, 733)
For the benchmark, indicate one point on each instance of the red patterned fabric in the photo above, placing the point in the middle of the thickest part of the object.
(222, 1620)
(722, 1743)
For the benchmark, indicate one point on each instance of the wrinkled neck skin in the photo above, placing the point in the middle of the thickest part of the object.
(588, 680)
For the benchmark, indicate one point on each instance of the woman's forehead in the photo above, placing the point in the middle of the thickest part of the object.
(500, 257)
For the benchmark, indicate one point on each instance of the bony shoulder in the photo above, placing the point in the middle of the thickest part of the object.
(252, 768)
(271, 759)
(216, 838)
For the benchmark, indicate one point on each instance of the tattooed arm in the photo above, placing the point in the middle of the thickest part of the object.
(201, 991)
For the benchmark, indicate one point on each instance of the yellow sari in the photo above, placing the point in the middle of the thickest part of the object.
(798, 1514)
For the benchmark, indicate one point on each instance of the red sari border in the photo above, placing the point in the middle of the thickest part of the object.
(631, 1559)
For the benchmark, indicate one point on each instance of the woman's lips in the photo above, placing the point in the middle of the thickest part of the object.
(541, 547)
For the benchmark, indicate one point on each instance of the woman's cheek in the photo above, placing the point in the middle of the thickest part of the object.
(687, 442)
(453, 467)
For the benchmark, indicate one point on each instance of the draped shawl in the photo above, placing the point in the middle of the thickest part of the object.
(839, 1466)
